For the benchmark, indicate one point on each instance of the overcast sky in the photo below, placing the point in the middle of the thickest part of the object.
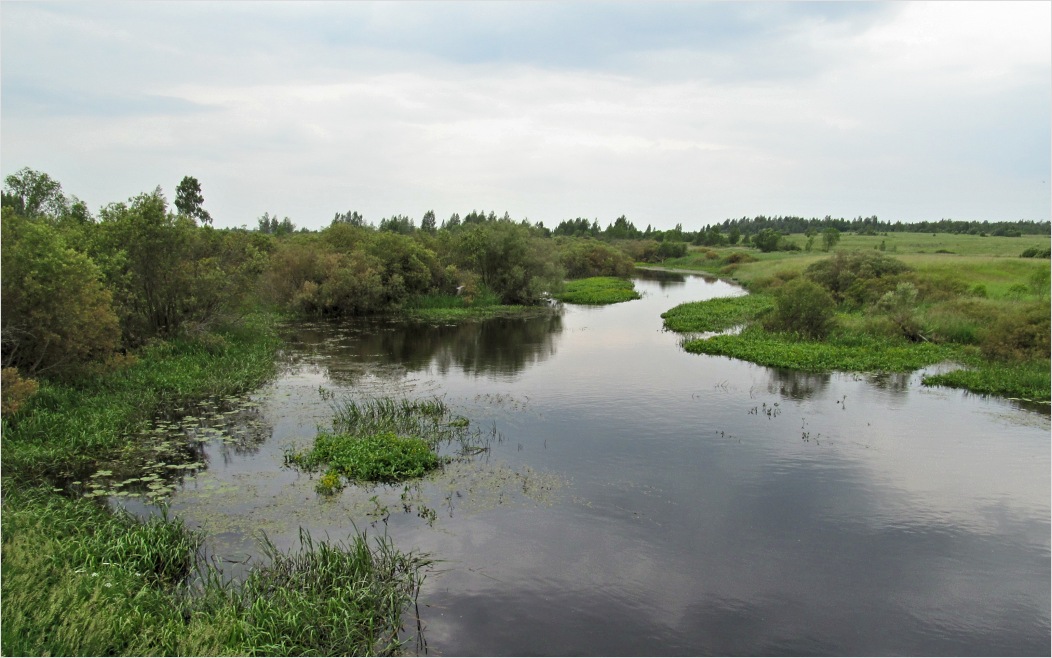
(672, 112)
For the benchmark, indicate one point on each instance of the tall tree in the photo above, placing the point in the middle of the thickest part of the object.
(34, 193)
(188, 200)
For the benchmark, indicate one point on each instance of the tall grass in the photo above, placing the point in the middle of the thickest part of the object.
(79, 580)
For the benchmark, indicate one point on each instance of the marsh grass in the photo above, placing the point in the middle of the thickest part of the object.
(80, 580)
(385, 440)
(598, 290)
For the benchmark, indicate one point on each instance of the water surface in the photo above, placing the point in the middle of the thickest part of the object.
(636, 499)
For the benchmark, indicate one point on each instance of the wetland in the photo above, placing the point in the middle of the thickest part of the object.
(604, 492)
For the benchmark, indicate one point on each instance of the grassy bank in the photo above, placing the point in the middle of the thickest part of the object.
(80, 579)
(598, 290)
(888, 312)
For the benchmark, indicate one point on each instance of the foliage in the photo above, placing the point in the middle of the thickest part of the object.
(856, 275)
(830, 237)
(509, 261)
(1021, 334)
(598, 290)
(188, 199)
(33, 193)
(169, 275)
(15, 390)
(1036, 252)
(802, 307)
(767, 240)
(716, 314)
(57, 314)
(587, 258)
(900, 307)
(69, 425)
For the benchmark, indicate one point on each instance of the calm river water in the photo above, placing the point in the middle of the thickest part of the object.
(640, 500)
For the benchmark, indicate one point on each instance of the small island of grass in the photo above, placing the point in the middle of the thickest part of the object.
(598, 290)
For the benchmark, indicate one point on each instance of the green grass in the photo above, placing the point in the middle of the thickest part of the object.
(598, 290)
(68, 426)
(382, 457)
(844, 352)
(383, 440)
(1030, 381)
(81, 580)
(716, 314)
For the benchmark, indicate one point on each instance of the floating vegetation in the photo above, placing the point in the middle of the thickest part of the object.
(158, 460)
(716, 314)
(385, 440)
(598, 290)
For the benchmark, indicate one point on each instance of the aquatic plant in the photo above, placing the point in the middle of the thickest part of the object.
(716, 314)
(598, 290)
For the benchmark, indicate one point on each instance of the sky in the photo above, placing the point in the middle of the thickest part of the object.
(667, 112)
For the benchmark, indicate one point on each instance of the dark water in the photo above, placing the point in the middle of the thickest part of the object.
(637, 499)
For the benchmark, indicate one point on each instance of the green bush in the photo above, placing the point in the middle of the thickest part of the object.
(57, 316)
(1019, 334)
(855, 276)
(802, 307)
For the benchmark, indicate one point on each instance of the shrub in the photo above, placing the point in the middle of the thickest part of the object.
(588, 258)
(802, 307)
(900, 306)
(57, 316)
(15, 391)
(850, 276)
(1022, 334)
(1036, 252)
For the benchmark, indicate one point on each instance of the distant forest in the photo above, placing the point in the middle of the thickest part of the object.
(736, 229)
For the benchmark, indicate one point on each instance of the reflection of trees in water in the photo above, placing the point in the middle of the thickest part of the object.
(500, 346)
(896, 383)
(662, 278)
(797, 385)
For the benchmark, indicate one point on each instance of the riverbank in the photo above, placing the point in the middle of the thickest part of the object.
(987, 314)
(82, 579)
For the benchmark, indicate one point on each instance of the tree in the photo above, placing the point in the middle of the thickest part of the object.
(428, 223)
(802, 307)
(188, 200)
(57, 314)
(830, 237)
(34, 193)
(767, 240)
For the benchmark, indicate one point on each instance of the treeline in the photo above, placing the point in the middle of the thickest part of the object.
(80, 288)
(872, 226)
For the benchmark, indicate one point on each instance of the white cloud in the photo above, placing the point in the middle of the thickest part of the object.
(680, 113)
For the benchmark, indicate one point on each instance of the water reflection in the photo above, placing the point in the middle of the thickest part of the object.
(641, 500)
(500, 346)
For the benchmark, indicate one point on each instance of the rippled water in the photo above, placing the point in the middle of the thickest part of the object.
(637, 499)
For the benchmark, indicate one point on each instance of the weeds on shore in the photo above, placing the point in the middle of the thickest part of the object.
(80, 580)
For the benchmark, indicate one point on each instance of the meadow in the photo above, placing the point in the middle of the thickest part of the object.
(965, 299)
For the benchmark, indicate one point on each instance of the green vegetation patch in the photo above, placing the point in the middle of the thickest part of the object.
(383, 457)
(839, 352)
(598, 290)
(80, 580)
(1028, 381)
(716, 314)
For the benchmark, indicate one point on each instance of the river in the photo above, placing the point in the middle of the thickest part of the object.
(639, 500)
